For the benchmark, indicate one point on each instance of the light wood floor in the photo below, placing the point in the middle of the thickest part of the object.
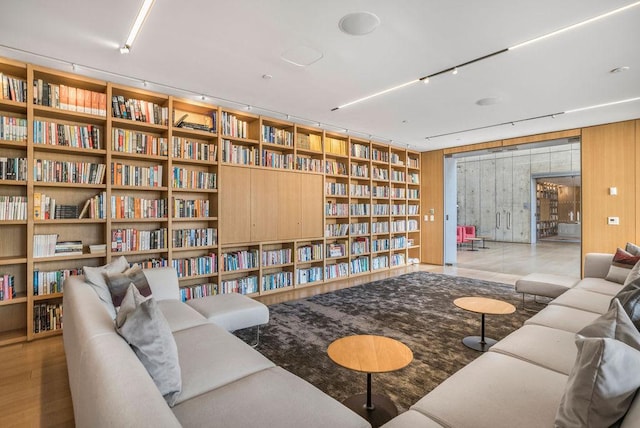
(34, 387)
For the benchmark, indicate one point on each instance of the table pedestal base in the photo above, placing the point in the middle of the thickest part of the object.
(477, 343)
(383, 408)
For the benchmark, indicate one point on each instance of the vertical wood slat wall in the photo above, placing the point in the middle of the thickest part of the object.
(16, 237)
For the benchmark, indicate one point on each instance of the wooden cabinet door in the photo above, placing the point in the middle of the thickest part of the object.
(290, 209)
(265, 205)
(311, 202)
(235, 205)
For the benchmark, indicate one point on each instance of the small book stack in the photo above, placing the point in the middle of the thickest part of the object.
(66, 211)
(68, 248)
(97, 248)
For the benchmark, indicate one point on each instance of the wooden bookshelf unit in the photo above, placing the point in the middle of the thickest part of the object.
(236, 202)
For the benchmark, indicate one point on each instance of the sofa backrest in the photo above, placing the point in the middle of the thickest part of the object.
(163, 282)
(596, 265)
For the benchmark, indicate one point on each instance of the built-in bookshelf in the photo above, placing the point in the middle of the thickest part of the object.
(91, 170)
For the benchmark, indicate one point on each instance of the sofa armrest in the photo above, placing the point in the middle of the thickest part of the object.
(163, 282)
(596, 265)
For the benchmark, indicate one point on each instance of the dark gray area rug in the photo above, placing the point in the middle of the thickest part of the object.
(416, 309)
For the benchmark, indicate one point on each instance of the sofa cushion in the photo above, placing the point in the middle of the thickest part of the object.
(563, 318)
(633, 274)
(629, 298)
(622, 262)
(211, 357)
(615, 324)
(599, 285)
(601, 385)
(143, 326)
(269, 398)
(478, 395)
(95, 278)
(119, 282)
(547, 347)
(412, 419)
(180, 316)
(584, 300)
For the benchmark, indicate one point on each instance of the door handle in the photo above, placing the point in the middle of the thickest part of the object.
(509, 220)
(497, 220)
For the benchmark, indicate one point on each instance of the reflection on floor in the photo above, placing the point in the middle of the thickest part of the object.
(562, 258)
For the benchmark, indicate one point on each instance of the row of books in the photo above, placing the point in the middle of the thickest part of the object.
(123, 174)
(414, 178)
(413, 193)
(273, 135)
(308, 275)
(139, 110)
(239, 154)
(277, 160)
(13, 168)
(337, 270)
(395, 159)
(138, 208)
(52, 171)
(336, 209)
(380, 227)
(379, 262)
(308, 164)
(123, 240)
(380, 191)
(191, 208)
(13, 207)
(309, 142)
(335, 146)
(360, 246)
(379, 155)
(233, 126)
(379, 173)
(184, 178)
(59, 134)
(7, 287)
(360, 151)
(276, 257)
(360, 265)
(246, 285)
(127, 141)
(335, 168)
(360, 209)
(198, 291)
(13, 128)
(338, 229)
(274, 281)
(360, 190)
(397, 192)
(95, 207)
(68, 248)
(45, 208)
(194, 237)
(359, 228)
(239, 260)
(397, 175)
(52, 281)
(380, 245)
(397, 259)
(47, 317)
(44, 245)
(380, 209)
(360, 171)
(13, 88)
(203, 265)
(335, 189)
(336, 249)
(183, 148)
(309, 253)
(69, 98)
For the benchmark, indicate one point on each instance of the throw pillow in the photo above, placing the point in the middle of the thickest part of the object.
(614, 324)
(141, 323)
(118, 283)
(601, 385)
(620, 265)
(629, 298)
(633, 249)
(94, 276)
(633, 274)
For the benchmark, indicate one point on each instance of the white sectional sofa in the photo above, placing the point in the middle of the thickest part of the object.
(520, 382)
(225, 382)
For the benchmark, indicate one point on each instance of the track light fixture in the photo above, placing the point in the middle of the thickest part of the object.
(137, 25)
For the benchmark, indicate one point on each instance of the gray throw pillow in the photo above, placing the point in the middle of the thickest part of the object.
(614, 324)
(118, 283)
(632, 248)
(629, 298)
(94, 276)
(142, 325)
(601, 385)
(633, 274)
(623, 261)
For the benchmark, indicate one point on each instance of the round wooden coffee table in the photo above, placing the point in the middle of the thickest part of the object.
(483, 305)
(370, 354)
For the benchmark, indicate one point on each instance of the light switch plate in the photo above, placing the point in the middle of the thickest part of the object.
(613, 220)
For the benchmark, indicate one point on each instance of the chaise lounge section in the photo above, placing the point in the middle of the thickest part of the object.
(522, 380)
(224, 381)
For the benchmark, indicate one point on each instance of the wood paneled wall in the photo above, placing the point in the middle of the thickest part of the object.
(610, 158)
(431, 189)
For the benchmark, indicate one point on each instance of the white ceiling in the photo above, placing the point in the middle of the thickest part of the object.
(223, 48)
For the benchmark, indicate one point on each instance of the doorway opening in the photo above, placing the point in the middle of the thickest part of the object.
(500, 193)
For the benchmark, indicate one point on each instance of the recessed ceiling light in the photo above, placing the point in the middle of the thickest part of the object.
(488, 101)
(619, 69)
(359, 23)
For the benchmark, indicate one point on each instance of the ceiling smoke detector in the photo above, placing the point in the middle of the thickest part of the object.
(359, 23)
